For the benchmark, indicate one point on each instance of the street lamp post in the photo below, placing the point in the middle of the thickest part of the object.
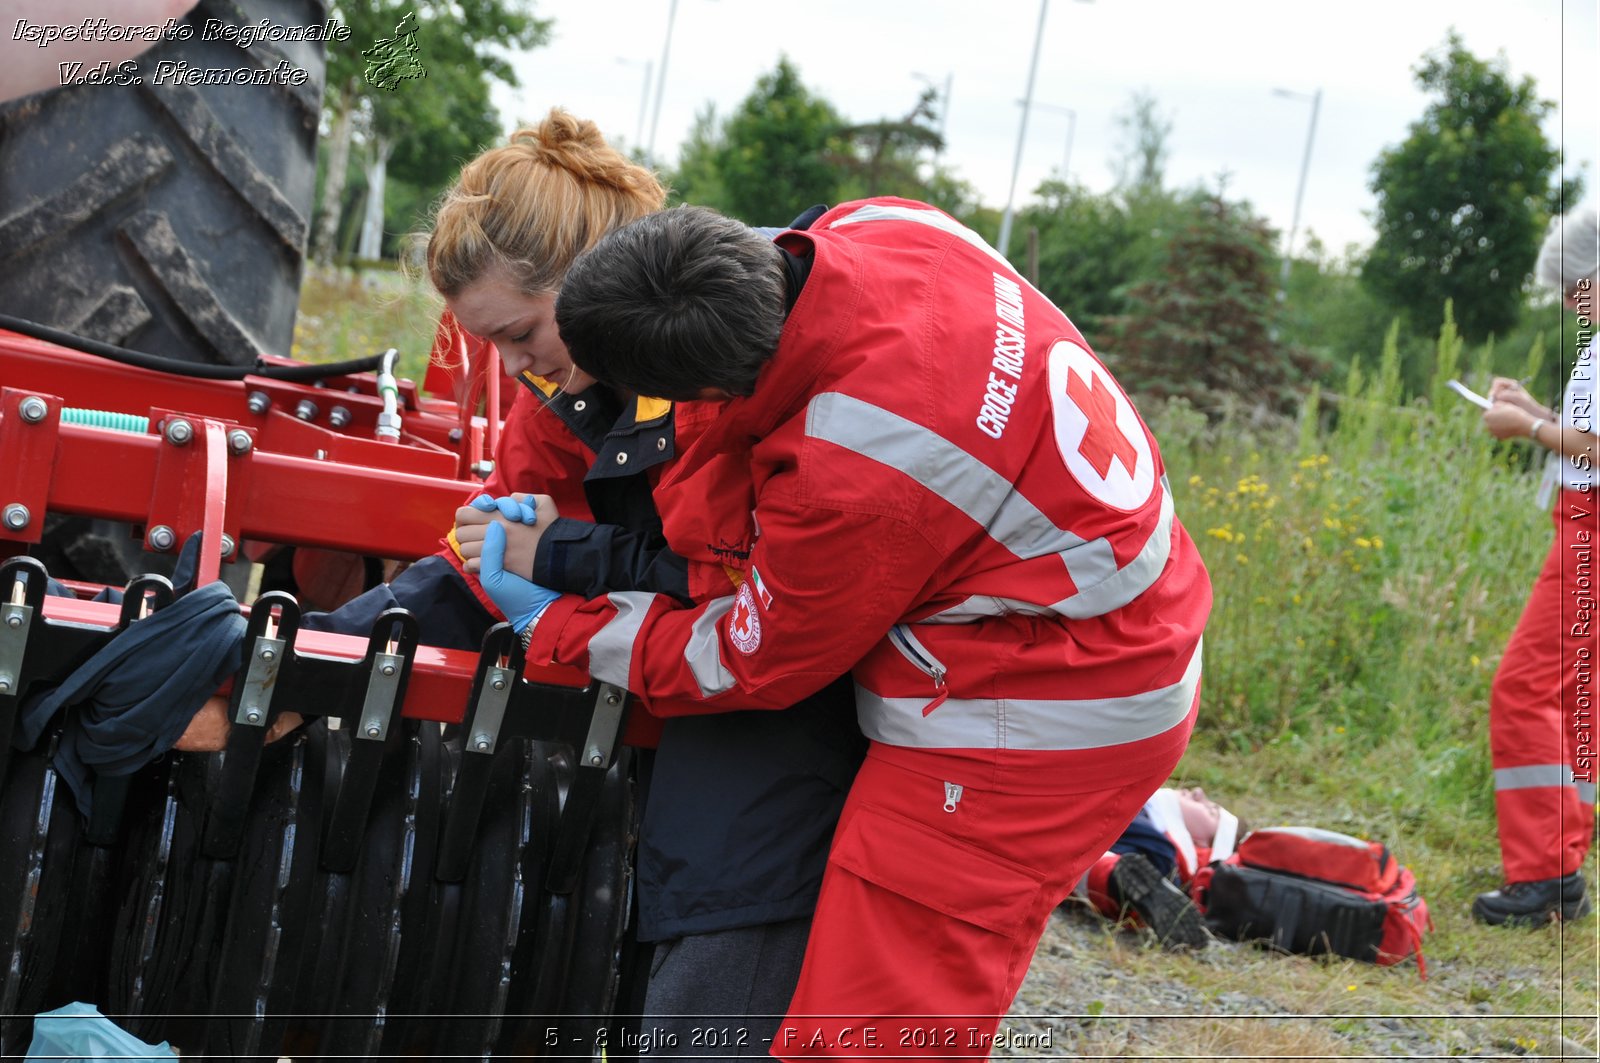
(661, 81)
(644, 95)
(1300, 190)
(1072, 125)
(1022, 131)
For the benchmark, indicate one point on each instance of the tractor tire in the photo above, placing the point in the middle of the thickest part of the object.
(166, 217)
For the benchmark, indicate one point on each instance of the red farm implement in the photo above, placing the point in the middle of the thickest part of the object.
(436, 863)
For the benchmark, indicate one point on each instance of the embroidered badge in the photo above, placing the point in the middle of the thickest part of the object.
(1097, 431)
(744, 623)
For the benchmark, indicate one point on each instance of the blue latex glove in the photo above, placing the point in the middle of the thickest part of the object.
(518, 512)
(521, 601)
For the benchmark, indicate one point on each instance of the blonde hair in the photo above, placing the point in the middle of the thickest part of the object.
(534, 205)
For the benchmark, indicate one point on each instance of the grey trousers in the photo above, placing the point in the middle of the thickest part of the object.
(722, 995)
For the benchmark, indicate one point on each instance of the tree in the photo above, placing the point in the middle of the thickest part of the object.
(778, 150)
(426, 125)
(1142, 167)
(1203, 327)
(885, 157)
(1463, 199)
(697, 179)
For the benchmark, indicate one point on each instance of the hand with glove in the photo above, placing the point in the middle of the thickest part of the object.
(523, 518)
(522, 602)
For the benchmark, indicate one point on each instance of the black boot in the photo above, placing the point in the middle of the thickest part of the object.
(1533, 903)
(1165, 908)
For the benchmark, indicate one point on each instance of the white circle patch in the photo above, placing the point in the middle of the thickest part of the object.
(1098, 434)
(744, 623)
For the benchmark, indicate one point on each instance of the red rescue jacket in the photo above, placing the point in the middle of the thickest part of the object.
(937, 485)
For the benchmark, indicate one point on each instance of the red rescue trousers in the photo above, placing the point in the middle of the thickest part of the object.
(938, 889)
(1541, 709)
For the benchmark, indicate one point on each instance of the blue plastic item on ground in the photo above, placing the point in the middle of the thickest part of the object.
(79, 1032)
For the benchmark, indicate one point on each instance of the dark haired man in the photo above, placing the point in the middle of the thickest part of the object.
(935, 485)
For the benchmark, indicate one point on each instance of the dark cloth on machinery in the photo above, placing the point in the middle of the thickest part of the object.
(447, 612)
(739, 980)
(131, 701)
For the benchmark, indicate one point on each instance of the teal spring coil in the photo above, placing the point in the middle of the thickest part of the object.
(122, 422)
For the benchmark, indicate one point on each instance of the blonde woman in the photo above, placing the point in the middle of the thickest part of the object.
(741, 806)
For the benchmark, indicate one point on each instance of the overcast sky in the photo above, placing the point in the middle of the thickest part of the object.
(1211, 66)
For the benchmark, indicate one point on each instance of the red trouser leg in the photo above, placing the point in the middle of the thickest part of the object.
(1541, 710)
(931, 908)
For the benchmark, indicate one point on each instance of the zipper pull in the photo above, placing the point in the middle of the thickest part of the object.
(938, 700)
(952, 796)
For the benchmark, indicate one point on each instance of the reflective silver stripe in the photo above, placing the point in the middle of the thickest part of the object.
(981, 605)
(1586, 792)
(1532, 775)
(1028, 723)
(704, 655)
(611, 648)
(933, 218)
(992, 501)
(1132, 579)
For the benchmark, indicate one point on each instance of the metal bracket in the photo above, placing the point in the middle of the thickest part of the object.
(383, 689)
(15, 619)
(255, 701)
(604, 726)
(491, 709)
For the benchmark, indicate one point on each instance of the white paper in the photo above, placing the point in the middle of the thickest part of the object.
(1467, 393)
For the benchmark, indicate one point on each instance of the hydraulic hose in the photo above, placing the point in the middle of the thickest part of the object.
(291, 373)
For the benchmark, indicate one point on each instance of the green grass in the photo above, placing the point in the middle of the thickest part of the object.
(346, 315)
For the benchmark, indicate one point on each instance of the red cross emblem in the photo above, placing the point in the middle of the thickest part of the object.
(1102, 439)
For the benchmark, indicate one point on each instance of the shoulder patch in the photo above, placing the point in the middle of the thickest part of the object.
(1100, 437)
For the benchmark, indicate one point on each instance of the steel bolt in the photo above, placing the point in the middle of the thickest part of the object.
(373, 731)
(498, 684)
(267, 653)
(253, 716)
(613, 699)
(306, 410)
(5, 684)
(338, 417)
(482, 743)
(387, 669)
(597, 760)
(258, 402)
(17, 516)
(483, 469)
(179, 431)
(13, 620)
(33, 409)
(161, 538)
(228, 546)
(239, 441)
(455, 435)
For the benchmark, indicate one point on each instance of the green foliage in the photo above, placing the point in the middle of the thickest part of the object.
(1368, 567)
(1463, 199)
(776, 150)
(785, 149)
(1202, 328)
(1142, 166)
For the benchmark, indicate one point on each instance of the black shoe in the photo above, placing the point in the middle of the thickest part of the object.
(1164, 907)
(1533, 903)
